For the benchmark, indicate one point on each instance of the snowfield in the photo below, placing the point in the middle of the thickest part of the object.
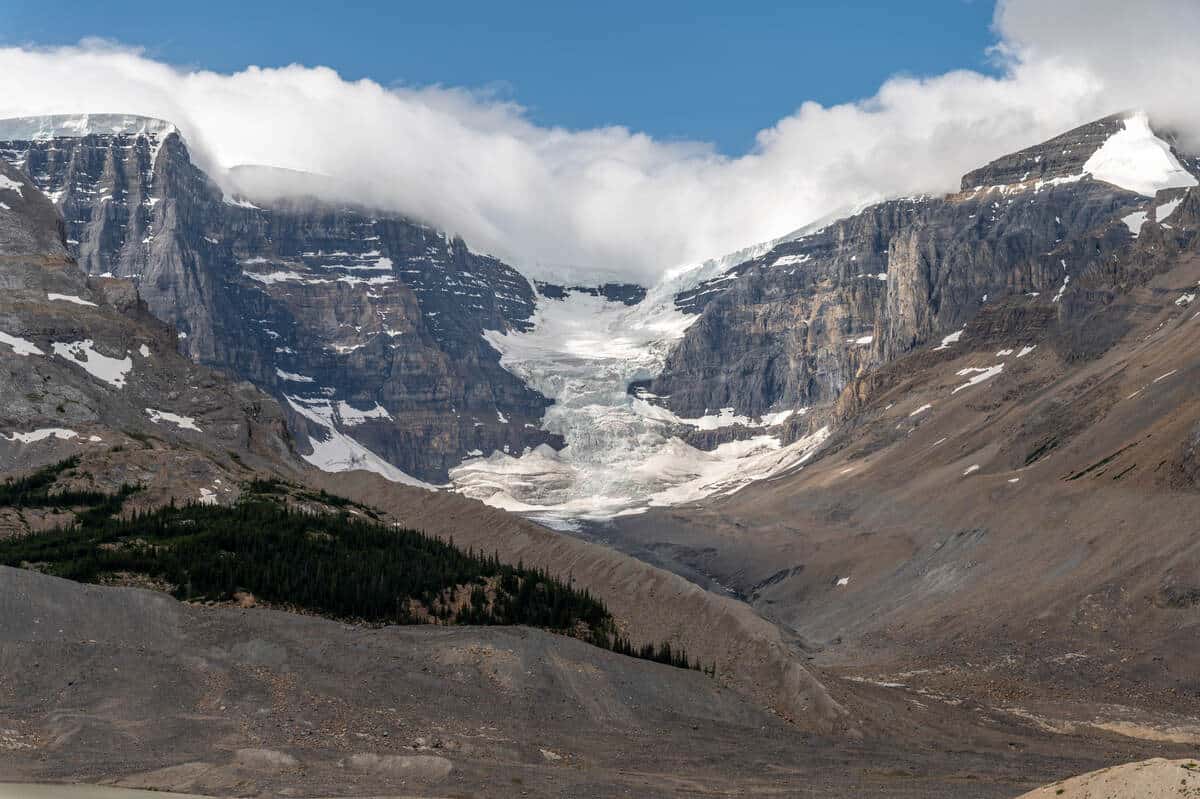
(339, 452)
(1137, 160)
(69, 298)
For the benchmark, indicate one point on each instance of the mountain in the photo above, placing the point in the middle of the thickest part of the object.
(365, 326)
(90, 374)
(1003, 518)
(736, 376)
(93, 389)
(957, 553)
(800, 322)
(395, 348)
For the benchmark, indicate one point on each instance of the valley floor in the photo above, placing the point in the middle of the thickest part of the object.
(1019, 551)
(129, 687)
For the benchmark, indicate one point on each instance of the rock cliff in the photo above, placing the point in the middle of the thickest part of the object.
(366, 326)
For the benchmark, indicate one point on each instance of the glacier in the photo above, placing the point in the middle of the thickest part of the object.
(623, 454)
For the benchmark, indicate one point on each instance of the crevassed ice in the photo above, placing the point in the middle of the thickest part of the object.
(622, 453)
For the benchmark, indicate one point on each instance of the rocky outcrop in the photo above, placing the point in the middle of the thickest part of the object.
(624, 293)
(792, 328)
(366, 326)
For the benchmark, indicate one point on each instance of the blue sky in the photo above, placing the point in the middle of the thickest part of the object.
(703, 70)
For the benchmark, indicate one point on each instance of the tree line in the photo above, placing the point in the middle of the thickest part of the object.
(334, 564)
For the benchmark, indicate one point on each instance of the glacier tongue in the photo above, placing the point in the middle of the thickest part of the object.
(621, 455)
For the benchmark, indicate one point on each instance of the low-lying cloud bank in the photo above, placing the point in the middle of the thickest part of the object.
(612, 203)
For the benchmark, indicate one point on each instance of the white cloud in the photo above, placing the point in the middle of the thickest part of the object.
(1140, 54)
(614, 203)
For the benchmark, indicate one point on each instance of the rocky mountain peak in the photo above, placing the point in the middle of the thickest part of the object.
(789, 329)
(1122, 149)
(1060, 157)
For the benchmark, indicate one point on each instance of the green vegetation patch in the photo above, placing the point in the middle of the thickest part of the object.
(336, 565)
(276, 489)
(37, 491)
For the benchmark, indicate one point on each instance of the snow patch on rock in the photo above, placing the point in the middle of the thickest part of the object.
(68, 298)
(84, 355)
(20, 346)
(1135, 221)
(338, 452)
(953, 338)
(1166, 209)
(8, 184)
(182, 422)
(41, 435)
(351, 416)
(978, 375)
(292, 376)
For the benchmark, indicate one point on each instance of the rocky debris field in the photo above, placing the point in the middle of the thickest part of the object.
(254, 702)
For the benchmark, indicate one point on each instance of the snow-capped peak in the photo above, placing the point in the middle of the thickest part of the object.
(76, 126)
(53, 126)
(1134, 158)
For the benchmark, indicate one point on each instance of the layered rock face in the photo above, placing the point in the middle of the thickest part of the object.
(793, 327)
(366, 326)
(86, 369)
